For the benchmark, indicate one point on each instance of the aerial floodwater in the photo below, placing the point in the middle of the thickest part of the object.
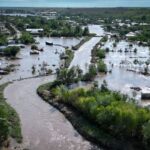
(74, 3)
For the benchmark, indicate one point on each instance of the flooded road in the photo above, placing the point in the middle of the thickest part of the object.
(82, 57)
(43, 127)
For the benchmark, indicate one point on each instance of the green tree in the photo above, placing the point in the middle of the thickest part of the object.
(86, 31)
(27, 38)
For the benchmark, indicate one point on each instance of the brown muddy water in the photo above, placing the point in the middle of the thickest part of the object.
(49, 57)
(43, 127)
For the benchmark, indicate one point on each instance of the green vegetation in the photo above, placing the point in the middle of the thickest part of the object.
(70, 54)
(69, 76)
(67, 57)
(3, 40)
(89, 76)
(9, 120)
(101, 66)
(27, 38)
(34, 47)
(100, 53)
(110, 111)
(54, 27)
(105, 116)
(11, 51)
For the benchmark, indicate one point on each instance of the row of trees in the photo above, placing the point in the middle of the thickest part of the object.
(69, 31)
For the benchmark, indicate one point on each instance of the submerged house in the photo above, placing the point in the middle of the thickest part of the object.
(145, 95)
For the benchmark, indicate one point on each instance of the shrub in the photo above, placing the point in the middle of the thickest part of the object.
(100, 53)
(4, 130)
(11, 51)
(101, 66)
(27, 38)
(90, 74)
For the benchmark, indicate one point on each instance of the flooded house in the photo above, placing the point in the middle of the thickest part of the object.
(145, 95)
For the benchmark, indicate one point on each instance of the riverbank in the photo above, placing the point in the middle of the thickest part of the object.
(9, 121)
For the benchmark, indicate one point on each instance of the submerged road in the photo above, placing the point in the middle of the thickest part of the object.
(82, 57)
(43, 127)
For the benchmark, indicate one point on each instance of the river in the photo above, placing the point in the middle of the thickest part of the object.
(43, 127)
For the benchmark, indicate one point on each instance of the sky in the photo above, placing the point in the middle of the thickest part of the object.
(74, 3)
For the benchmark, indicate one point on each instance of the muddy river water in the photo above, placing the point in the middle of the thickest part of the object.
(49, 57)
(43, 127)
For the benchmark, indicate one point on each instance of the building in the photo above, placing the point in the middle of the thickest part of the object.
(35, 31)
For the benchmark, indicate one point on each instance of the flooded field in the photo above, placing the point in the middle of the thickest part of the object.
(124, 71)
(48, 59)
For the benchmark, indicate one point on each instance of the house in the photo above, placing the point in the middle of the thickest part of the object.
(35, 31)
(130, 34)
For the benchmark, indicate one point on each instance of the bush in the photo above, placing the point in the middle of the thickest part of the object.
(146, 132)
(101, 66)
(3, 40)
(90, 74)
(34, 47)
(9, 120)
(11, 51)
(68, 76)
(4, 130)
(27, 38)
(100, 53)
